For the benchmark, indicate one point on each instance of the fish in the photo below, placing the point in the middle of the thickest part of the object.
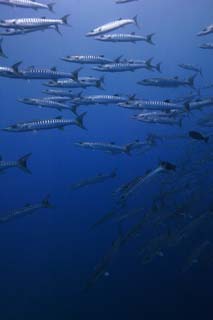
(112, 26)
(26, 210)
(206, 46)
(28, 4)
(20, 164)
(110, 148)
(207, 30)
(124, 1)
(34, 73)
(168, 82)
(199, 104)
(2, 54)
(161, 117)
(38, 125)
(11, 72)
(94, 180)
(16, 32)
(125, 37)
(119, 67)
(198, 136)
(147, 64)
(46, 103)
(29, 23)
(89, 59)
(126, 190)
(191, 67)
(80, 82)
(153, 105)
(98, 99)
(62, 93)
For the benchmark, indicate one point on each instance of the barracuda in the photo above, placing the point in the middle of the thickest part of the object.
(124, 1)
(154, 105)
(45, 103)
(119, 67)
(190, 67)
(125, 37)
(206, 31)
(62, 93)
(94, 180)
(37, 125)
(206, 46)
(168, 82)
(20, 164)
(11, 72)
(89, 59)
(112, 26)
(16, 32)
(81, 82)
(28, 4)
(26, 210)
(28, 23)
(33, 73)
(111, 148)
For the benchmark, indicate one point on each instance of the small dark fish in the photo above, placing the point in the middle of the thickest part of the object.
(198, 136)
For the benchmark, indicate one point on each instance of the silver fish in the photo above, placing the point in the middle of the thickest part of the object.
(206, 31)
(112, 26)
(28, 4)
(94, 180)
(125, 37)
(168, 82)
(110, 148)
(46, 103)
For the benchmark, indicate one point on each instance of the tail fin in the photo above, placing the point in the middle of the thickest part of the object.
(74, 74)
(149, 63)
(50, 6)
(100, 82)
(149, 38)
(191, 80)
(65, 19)
(22, 163)
(15, 67)
(158, 67)
(45, 202)
(201, 72)
(2, 54)
(128, 149)
(135, 18)
(187, 106)
(79, 120)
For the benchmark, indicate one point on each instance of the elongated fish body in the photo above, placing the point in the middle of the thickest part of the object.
(37, 125)
(106, 147)
(159, 119)
(206, 46)
(125, 37)
(94, 180)
(206, 31)
(89, 59)
(168, 82)
(119, 67)
(190, 67)
(201, 103)
(46, 103)
(16, 32)
(112, 26)
(102, 99)
(26, 210)
(28, 4)
(124, 1)
(82, 82)
(61, 93)
(34, 73)
(20, 164)
(57, 99)
(150, 105)
(28, 23)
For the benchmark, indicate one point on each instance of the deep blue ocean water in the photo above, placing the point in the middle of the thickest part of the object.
(47, 258)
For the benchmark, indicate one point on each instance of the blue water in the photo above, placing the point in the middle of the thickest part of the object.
(47, 258)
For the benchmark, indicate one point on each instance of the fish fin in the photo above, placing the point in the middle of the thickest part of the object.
(15, 67)
(74, 74)
(45, 202)
(135, 18)
(79, 120)
(149, 38)
(118, 59)
(158, 67)
(50, 6)
(65, 19)
(22, 163)
(191, 80)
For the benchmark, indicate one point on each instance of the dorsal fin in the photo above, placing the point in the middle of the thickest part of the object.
(58, 117)
(53, 69)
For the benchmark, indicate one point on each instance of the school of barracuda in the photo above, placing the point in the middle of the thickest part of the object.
(177, 221)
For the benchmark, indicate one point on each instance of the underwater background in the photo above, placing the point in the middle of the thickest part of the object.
(47, 258)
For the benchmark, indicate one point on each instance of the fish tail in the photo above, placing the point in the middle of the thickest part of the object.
(135, 18)
(191, 80)
(65, 19)
(149, 38)
(79, 120)
(2, 54)
(46, 203)
(50, 6)
(22, 163)
(158, 67)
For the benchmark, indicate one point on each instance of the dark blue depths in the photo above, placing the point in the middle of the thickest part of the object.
(48, 257)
